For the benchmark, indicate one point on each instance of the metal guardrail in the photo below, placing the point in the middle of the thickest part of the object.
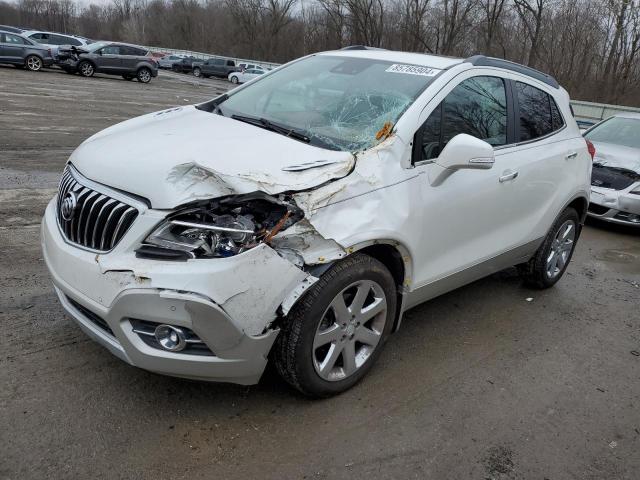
(206, 56)
(590, 112)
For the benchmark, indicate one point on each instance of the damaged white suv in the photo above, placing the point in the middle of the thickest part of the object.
(310, 208)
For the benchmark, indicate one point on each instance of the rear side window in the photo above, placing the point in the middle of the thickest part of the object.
(71, 41)
(16, 40)
(111, 50)
(477, 107)
(539, 113)
(231, 63)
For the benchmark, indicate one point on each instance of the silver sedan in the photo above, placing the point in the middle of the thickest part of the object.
(615, 180)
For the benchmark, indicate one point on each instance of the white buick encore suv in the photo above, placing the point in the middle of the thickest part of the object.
(311, 207)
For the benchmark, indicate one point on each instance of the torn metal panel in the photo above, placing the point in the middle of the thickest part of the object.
(303, 239)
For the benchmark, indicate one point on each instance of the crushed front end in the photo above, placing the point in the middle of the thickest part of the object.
(193, 293)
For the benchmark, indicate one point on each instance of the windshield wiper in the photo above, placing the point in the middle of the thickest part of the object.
(274, 127)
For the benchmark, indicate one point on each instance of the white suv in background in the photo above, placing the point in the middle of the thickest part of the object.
(381, 180)
(55, 40)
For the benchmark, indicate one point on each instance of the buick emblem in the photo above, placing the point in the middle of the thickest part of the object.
(68, 206)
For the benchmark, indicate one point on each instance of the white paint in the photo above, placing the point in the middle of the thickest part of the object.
(350, 200)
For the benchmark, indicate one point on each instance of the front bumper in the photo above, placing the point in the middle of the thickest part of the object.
(228, 303)
(616, 206)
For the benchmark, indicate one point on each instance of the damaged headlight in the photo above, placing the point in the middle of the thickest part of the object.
(220, 228)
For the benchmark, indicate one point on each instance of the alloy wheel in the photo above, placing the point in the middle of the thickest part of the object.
(34, 63)
(144, 75)
(86, 69)
(350, 330)
(561, 248)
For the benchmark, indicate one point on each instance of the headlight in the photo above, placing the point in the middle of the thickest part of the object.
(220, 228)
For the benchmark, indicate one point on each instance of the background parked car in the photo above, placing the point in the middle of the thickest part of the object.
(7, 28)
(248, 66)
(185, 64)
(21, 51)
(55, 40)
(215, 67)
(130, 61)
(168, 60)
(246, 75)
(615, 178)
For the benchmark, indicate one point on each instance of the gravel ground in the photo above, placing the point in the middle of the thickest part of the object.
(479, 383)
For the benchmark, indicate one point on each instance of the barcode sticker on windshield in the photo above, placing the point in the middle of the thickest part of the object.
(413, 70)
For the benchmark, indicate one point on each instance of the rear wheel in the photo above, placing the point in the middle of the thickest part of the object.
(86, 69)
(33, 63)
(197, 72)
(144, 75)
(333, 336)
(552, 258)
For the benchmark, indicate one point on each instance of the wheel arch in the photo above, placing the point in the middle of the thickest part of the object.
(392, 254)
(87, 60)
(581, 205)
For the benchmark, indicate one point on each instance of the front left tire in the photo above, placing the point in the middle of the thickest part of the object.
(333, 335)
(86, 68)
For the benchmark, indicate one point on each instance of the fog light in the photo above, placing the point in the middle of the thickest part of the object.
(170, 338)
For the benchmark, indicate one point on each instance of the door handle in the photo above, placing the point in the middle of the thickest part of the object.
(508, 176)
(571, 155)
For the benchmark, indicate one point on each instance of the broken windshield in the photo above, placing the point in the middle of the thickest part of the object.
(338, 102)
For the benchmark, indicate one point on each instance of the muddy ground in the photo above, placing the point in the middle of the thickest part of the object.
(478, 384)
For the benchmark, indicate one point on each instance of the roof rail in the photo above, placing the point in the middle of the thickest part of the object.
(360, 47)
(484, 61)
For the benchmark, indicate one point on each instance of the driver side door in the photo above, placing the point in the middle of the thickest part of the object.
(466, 218)
(109, 60)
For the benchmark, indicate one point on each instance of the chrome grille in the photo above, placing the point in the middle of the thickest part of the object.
(91, 219)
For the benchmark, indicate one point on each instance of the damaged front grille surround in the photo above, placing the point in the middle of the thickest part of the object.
(220, 228)
(93, 216)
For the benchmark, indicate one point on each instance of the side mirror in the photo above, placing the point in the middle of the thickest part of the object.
(462, 152)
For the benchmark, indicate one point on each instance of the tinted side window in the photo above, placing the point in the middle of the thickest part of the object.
(73, 41)
(535, 112)
(431, 137)
(111, 50)
(477, 107)
(56, 40)
(15, 39)
(231, 63)
(556, 117)
(131, 51)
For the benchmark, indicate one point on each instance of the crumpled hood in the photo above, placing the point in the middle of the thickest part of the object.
(611, 155)
(184, 154)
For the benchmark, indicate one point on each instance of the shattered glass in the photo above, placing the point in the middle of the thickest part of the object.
(340, 103)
